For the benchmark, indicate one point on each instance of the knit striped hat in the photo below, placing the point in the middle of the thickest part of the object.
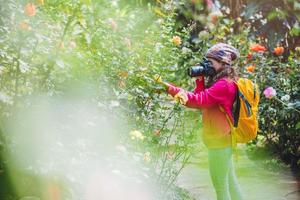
(223, 53)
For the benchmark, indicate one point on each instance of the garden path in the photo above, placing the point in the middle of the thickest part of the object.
(257, 182)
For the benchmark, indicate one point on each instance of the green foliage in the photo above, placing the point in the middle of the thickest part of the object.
(113, 48)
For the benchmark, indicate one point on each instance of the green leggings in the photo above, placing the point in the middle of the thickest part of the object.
(222, 174)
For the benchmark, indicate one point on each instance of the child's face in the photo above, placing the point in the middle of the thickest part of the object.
(215, 64)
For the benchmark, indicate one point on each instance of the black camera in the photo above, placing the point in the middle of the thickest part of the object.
(205, 68)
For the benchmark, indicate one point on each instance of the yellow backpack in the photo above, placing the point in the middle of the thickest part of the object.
(245, 111)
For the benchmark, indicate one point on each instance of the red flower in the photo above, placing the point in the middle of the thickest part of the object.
(257, 48)
(278, 51)
(250, 56)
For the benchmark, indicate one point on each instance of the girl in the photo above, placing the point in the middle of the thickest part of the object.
(219, 93)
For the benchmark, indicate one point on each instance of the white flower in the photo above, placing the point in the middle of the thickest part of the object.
(136, 135)
(285, 97)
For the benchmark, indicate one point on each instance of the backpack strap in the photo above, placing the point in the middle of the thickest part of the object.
(248, 106)
(236, 109)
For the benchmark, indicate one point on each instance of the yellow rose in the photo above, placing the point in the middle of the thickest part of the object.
(136, 135)
(176, 40)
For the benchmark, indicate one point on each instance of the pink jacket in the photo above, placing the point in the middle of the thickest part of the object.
(216, 130)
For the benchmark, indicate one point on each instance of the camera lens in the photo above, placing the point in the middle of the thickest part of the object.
(196, 71)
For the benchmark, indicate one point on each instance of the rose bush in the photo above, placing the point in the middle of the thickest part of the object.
(113, 49)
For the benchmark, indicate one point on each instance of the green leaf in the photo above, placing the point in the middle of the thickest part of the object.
(295, 31)
(298, 125)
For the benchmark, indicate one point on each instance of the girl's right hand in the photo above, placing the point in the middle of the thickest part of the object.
(200, 78)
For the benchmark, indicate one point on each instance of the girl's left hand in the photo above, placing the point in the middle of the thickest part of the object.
(181, 97)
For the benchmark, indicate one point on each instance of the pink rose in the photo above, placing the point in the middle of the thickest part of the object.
(270, 92)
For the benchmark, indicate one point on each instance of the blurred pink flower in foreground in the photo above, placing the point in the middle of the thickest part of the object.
(270, 92)
(30, 9)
